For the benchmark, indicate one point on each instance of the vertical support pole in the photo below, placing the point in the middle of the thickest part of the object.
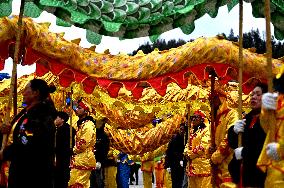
(14, 71)
(241, 65)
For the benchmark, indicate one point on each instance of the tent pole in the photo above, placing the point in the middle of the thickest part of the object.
(14, 71)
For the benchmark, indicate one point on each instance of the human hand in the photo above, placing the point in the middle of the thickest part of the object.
(271, 151)
(169, 170)
(238, 153)
(181, 163)
(98, 165)
(269, 101)
(239, 126)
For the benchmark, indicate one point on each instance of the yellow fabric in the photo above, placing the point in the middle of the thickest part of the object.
(128, 114)
(274, 178)
(120, 110)
(85, 140)
(197, 151)
(200, 182)
(134, 142)
(79, 178)
(159, 174)
(281, 144)
(264, 161)
(112, 153)
(228, 185)
(223, 154)
(110, 176)
(10, 135)
(138, 67)
(147, 166)
(168, 181)
(111, 171)
(151, 154)
(147, 179)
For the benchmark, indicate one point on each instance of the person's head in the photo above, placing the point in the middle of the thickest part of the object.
(36, 90)
(197, 118)
(256, 94)
(62, 117)
(82, 109)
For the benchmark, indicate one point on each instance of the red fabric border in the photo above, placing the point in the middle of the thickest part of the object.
(67, 74)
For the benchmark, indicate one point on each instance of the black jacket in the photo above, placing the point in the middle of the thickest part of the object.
(32, 151)
(63, 154)
(62, 149)
(101, 146)
(174, 153)
(253, 139)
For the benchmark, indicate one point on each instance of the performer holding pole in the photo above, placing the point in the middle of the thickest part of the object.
(14, 75)
(272, 157)
(243, 167)
(223, 118)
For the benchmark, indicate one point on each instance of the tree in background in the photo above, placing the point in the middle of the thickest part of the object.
(159, 44)
(251, 39)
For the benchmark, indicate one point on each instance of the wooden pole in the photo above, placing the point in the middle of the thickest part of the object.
(188, 124)
(212, 132)
(188, 141)
(212, 113)
(15, 97)
(268, 45)
(14, 71)
(63, 99)
(241, 64)
(272, 118)
(71, 119)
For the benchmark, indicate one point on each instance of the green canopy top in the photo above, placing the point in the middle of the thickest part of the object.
(128, 19)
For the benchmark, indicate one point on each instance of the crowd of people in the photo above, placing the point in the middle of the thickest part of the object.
(43, 150)
(216, 157)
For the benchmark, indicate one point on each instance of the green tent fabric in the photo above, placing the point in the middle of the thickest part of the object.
(128, 19)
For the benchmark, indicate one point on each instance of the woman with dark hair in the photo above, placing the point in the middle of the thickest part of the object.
(30, 146)
(253, 137)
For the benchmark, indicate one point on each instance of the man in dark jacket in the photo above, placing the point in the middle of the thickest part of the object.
(174, 158)
(253, 137)
(101, 151)
(63, 150)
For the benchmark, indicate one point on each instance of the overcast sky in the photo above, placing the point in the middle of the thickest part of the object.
(205, 26)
